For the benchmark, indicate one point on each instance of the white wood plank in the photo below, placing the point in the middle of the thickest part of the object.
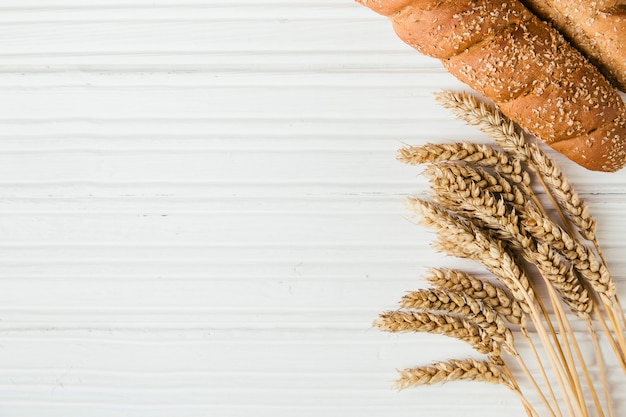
(201, 212)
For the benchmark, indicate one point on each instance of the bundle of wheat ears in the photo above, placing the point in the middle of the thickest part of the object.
(483, 208)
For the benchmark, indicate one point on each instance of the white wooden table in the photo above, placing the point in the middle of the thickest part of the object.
(201, 211)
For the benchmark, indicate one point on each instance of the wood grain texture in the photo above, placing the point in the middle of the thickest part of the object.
(201, 212)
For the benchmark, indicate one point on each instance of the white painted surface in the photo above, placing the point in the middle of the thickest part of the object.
(201, 212)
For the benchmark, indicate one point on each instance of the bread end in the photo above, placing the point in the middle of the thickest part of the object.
(601, 150)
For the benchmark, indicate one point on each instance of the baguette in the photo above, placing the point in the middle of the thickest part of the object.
(597, 28)
(522, 64)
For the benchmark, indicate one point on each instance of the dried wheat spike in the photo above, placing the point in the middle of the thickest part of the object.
(475, 154)
(493, 213)
(552, 268)
(466, 181)
(491, 121)
(465, 306)
(496, 214)
(488, 119)
(437, 217)
(563, 279)
(454, 370)
(475, 201)
(458, 237)
(443, 324)
(465, 284)
(483, 155)
(576, 208)
(582, 258)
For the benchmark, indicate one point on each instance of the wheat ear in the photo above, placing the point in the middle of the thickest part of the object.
(476, 154)
(443, 324)
(466, 181)
(463, 370)
(461, 282)
(575, 207)
(584, 260)
(471, 199)
(458, 237)
(454, 370)
(488, 119)
(465, 306)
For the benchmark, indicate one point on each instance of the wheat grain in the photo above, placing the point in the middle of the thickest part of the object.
(503, 131)
(465, 284)
(582, 258)
(475, 201)
(576, 208)
(474, 154)
(483, 155)
(437, 217)
(496, 213)
(457, 179)
(454, 370)
(465, 306)
(489, 120)
(443, 324)
(562, 277)
(458, 237)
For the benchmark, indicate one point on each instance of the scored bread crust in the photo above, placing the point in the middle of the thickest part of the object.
(597, 28)
(521, 63)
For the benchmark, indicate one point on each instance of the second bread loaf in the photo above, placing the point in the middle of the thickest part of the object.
(595, 27)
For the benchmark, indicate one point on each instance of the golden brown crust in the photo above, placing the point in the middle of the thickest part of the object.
(577, 104)
(595, 27)
(602, 149)
(526, 68)
(432, 26)
(506, 66)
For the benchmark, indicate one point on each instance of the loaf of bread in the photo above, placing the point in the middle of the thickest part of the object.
(596, 28)
(521, 63)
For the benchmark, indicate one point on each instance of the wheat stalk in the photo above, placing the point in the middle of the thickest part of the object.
(563, 279)
(481, 207)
